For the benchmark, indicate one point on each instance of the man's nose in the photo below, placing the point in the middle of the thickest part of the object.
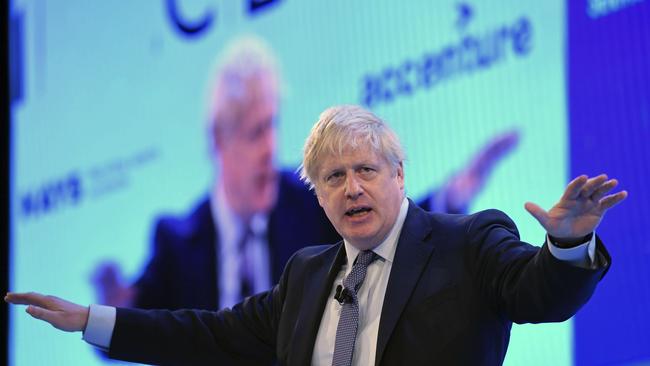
(267, 145)
(352, 187)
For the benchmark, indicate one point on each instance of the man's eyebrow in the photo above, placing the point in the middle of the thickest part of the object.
(365, 163)
(333, 170)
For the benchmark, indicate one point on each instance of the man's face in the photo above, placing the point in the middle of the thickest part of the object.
(361, 194)
(247, 159)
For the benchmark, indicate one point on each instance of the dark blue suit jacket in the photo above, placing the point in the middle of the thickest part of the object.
(183, 269)
(456, 285)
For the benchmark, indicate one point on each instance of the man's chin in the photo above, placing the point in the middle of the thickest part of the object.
(362, 242)
(264, 203)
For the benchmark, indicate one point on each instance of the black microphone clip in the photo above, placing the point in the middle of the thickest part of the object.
(342, 295)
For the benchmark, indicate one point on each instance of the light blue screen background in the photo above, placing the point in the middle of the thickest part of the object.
(114, 101)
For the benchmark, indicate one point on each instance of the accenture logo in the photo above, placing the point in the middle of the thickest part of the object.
(473, 52)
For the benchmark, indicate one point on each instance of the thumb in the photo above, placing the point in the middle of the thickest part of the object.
(537, 212)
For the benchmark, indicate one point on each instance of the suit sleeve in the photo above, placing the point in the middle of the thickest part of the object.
(526, 284)
(243, 335)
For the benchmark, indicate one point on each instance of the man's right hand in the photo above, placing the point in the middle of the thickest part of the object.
(60, 313)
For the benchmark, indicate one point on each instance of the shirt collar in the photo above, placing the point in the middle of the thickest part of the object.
(230, 225)
(386, 249)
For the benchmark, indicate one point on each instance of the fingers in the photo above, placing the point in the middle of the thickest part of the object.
(61, 314)
(40, 313)
(538, 213)
(28, 298)
(595, 189)
(600, 192)
(612, 200)
(592, 185)
(572, 190)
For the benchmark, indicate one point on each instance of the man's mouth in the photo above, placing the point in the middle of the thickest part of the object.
(357, 211)
(265, 178)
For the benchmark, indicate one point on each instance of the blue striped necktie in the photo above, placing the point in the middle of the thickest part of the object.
(346, 332)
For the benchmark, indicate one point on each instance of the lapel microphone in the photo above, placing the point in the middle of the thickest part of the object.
(342, 295)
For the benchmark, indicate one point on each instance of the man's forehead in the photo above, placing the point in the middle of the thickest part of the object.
(258, 111)
(350, 156)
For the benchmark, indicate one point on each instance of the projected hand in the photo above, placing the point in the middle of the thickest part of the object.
(109, 286)
(62, 314)
(463, 187)
(580, 209)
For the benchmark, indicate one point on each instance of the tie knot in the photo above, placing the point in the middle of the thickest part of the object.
(366, 257)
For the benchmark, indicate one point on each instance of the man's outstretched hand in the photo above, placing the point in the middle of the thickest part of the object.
(61, 314)
(580, 209)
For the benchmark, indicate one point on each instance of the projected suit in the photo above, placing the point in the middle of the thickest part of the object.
(183, 271)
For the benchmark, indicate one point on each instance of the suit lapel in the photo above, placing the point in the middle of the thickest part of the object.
(411, 256)
(318, 284)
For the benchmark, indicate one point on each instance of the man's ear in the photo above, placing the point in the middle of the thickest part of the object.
(400, 175)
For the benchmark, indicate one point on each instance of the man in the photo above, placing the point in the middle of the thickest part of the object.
(237, 241)
(405, 286)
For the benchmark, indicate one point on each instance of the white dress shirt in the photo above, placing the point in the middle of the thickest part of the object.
(230, 229)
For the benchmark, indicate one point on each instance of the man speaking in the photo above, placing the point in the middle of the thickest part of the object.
(405, 286)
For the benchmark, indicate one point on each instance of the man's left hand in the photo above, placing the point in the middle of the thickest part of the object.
(580, 209)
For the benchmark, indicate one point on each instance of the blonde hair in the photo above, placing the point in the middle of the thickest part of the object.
(347, 126)
(245, 73)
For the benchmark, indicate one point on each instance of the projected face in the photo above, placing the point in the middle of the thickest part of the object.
(247, 159)
(361, 194)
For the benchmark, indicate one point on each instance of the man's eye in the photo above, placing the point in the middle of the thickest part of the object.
(334, 177)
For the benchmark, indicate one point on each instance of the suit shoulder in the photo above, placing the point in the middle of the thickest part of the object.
(491, 219)
(294, 195)
(304, 260)
(469, 222)
(492, 214)
(290, 181)
(314, 251)
(185, 226)
(309, 255)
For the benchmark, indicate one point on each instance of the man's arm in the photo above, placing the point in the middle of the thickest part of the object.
(245, 334)
(531, 285)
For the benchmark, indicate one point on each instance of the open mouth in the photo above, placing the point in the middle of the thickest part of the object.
(265, 178)
(357, 211)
